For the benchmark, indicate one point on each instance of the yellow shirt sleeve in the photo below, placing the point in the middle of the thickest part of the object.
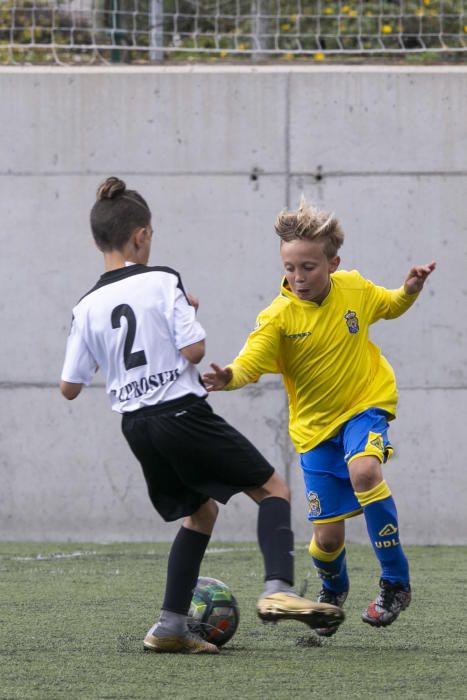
(387, 303)
(259, 354)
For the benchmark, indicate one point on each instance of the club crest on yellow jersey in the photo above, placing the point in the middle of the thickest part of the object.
(352, 321)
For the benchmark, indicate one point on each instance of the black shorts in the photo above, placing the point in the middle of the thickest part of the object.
(189, 454)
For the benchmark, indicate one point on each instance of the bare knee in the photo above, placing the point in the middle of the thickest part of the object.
(365, 473)
(274, 486)
(204, 519)
(329, 537)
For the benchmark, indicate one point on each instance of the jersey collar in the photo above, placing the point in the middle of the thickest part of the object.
(288, 294)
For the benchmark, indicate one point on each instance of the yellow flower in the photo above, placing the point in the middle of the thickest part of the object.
(319, 56)
(345, 9)
(426, 2)
(328, 11)
(387, 29)
(223, 54)
(285, 27)
(242, 46)
(465, 28)
(353, 13)
(288, 56)
(420, 12)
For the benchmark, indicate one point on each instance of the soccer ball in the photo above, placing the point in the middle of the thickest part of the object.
(214, 612)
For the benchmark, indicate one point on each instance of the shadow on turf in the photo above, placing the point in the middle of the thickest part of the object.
(133, 644)
(309, 640)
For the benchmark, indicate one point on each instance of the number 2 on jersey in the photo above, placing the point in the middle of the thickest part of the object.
(130, 359)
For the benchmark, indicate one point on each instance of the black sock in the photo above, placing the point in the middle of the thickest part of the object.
(275, 539)
(186, 555)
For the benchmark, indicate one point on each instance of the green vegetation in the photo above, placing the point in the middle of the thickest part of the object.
(42, 31)
(37, 31)
(73, 617)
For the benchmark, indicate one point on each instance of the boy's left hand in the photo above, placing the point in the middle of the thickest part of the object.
(416, 277)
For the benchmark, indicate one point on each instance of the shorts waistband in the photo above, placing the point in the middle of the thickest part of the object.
(165, 406)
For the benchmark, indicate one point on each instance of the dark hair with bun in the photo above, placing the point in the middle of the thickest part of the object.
(116, 213)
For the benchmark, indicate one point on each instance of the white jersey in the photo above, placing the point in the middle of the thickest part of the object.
(131, 326)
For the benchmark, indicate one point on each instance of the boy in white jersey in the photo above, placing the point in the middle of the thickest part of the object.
(342, 393)
(139, 328)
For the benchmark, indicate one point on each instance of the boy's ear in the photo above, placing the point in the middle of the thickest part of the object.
(138, 236)
(334, 263)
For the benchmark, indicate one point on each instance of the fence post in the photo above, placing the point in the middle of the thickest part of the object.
(115, 54)
(156, 25)
(260, 28)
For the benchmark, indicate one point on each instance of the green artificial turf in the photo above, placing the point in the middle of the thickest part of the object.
(73, 616)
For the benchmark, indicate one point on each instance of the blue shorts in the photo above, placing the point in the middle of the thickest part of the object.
(328, 490)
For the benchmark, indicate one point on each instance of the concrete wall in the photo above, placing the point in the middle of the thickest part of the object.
(218, 151)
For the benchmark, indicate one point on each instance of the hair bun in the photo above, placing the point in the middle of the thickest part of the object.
(110, 188)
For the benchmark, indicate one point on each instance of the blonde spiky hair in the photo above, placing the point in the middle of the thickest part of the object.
(309, 222)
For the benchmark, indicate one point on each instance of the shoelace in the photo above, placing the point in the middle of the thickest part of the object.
(389, 595)
(327, 596)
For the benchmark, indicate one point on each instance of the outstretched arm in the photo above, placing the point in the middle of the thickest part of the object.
(218, 378)
(258, 356)
(416, 277)
(392, 303)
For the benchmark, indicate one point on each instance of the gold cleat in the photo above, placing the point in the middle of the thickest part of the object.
(189, 644)
(289, 606)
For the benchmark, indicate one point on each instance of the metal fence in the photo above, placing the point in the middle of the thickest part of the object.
(144, 31)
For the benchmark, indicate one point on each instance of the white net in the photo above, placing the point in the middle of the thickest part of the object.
(154, 30)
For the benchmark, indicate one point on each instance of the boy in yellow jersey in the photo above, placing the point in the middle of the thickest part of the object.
(342, 393)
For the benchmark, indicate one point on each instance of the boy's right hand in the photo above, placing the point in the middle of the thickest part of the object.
(218, 379)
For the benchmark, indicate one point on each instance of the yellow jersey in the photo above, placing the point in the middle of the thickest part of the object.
(330, 368)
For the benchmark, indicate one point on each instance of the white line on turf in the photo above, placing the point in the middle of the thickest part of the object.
(53, 555)
(226, 550)
(71, 555)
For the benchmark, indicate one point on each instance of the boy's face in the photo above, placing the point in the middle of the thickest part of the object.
(307, 269)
